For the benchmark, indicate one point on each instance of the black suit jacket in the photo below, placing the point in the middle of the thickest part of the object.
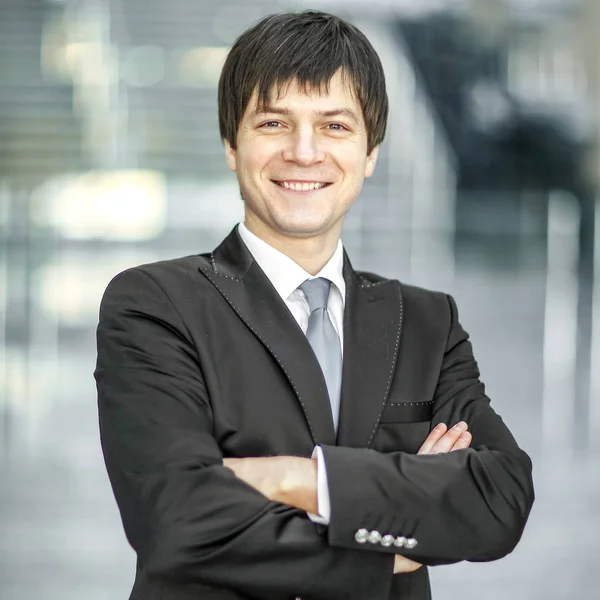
(200, 359)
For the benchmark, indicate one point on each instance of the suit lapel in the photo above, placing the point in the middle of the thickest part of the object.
(372, 328)
(243, 284)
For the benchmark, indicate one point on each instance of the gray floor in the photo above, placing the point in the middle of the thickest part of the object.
(60, 534)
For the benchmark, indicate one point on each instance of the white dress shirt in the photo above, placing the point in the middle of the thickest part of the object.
(286, 275)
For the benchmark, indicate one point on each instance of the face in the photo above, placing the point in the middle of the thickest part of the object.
(302, 161)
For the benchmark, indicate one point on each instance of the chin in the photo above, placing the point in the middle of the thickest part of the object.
(304, 228)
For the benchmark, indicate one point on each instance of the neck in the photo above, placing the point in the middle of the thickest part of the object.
(311, 253)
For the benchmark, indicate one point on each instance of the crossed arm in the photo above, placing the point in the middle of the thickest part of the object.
(293, 480)
(191, 519)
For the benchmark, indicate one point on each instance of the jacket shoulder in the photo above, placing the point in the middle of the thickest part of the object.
(409, 292)
(171, 274)
(183, 266)
(422, 304)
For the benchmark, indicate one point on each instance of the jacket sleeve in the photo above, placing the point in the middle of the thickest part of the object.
(186, 515)
(469, 504)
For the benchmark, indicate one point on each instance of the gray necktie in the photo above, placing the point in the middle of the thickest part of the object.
(324, 340)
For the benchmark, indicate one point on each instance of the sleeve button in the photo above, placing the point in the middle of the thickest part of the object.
(374, 537)
(387, 540)
(361, 536)
(410, 543)
(400, 541)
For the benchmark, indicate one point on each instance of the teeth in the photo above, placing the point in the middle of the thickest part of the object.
(302, 187)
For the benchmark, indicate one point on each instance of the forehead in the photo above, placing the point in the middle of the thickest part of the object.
(338, 93)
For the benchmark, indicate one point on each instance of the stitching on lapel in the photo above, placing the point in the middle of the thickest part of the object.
(411, 403)
(312, 433)
(393, 368)
(369, 284)
(214, 266)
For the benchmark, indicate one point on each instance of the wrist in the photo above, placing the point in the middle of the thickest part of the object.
(298, 483)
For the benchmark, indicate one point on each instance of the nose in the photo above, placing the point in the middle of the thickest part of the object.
(304, 147)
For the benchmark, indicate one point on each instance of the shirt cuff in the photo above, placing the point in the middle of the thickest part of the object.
(323, 502)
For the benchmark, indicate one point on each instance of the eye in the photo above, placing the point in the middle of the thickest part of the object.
(337, 127)
(271, 125)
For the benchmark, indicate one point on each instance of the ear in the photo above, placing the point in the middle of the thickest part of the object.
(230, 156)
(371, 162)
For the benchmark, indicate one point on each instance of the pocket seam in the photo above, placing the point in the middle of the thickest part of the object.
(410, 403)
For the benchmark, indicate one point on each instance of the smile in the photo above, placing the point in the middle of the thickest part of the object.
(301, 186)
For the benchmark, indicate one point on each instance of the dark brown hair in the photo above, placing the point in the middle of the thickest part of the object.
(308, 47)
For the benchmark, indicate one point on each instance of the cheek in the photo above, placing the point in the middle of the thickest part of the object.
(352, 161)
(255, 161)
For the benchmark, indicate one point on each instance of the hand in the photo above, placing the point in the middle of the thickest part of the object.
(405, 565)
(291, 480)
(262, 473)
(440, 440)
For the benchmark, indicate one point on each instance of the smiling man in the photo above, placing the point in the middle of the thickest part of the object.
(301, 160)
(275, 424)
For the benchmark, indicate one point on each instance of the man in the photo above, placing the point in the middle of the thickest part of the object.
(275, 424)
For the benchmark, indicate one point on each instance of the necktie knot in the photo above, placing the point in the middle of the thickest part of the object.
(316, 292)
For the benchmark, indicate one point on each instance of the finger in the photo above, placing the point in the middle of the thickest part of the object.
(449, 439)
(434, 436)
(405, 565)
(464, 441)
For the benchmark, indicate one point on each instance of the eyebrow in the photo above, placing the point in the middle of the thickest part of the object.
(336, 112)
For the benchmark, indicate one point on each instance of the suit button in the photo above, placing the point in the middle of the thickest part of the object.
(361, 536)
(400, 541)
(410, 543)
(387, 540)
(374, 537)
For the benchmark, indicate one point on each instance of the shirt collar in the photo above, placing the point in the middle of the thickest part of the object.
(285, 274)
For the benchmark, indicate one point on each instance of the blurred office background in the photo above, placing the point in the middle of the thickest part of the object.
(487, 188)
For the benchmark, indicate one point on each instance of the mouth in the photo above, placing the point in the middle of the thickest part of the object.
(302, 186)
